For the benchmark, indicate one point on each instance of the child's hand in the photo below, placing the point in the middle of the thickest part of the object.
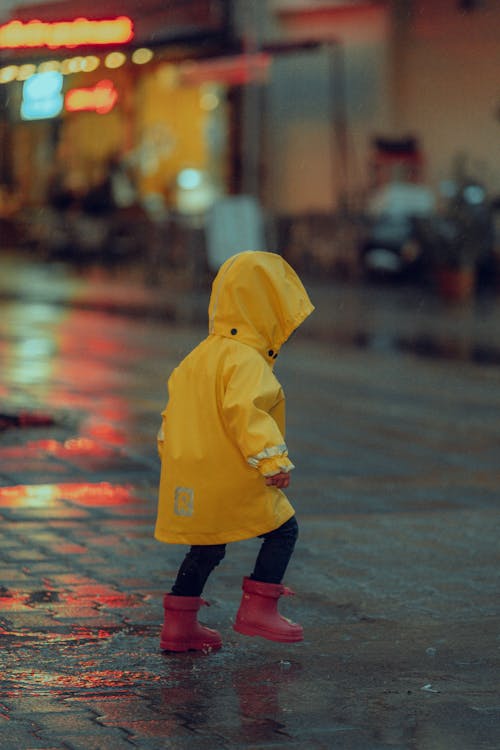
(280, 480)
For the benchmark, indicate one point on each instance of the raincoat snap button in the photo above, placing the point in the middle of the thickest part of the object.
(270, 352)
(234, 331)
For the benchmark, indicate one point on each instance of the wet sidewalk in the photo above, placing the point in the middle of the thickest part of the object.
(405, 318)
(396, 569)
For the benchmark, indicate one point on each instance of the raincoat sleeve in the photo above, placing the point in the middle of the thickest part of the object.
(252, 396)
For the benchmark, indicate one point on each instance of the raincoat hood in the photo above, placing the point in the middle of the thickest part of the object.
(258, 299)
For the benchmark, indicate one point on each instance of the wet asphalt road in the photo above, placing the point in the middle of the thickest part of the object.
(396, 569)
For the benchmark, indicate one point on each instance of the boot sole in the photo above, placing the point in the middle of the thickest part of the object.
(267, 634)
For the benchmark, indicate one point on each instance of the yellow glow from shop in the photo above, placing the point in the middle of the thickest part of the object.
(114, 60)
(48, 66)
(168, 76)
(87, 142)
(8, 73)
(25, 72)
(171, 129)
(90, 63)
(142, 55)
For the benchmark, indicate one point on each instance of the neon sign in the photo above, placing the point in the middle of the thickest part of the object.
(66, 33)
(42, 97)
(101, 98)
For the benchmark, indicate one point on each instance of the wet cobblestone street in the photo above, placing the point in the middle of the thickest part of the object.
(396, 570)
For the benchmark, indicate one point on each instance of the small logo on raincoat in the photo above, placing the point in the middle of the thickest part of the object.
(184, 501)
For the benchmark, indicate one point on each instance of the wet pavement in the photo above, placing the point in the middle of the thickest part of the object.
(396, 569)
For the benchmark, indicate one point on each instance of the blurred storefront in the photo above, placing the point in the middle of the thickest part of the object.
(197, 99)
(167, 101)
(305, 106)
(112, 96)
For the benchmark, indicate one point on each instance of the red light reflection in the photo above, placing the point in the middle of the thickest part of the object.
(83, 494)
(74, 446)
(108, 678)
(106, 432)
(13, 601)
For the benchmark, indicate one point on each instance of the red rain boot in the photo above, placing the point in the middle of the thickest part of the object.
(258, 613)
(181, 631)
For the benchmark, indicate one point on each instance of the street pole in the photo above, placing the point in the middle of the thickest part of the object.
(252, 101)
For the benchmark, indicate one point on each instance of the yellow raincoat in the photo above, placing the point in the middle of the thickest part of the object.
(223, 430)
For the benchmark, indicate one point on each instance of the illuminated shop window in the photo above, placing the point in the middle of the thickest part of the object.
(168, 76)
(42, 96)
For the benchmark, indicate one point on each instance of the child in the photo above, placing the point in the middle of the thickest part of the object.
(224, 457)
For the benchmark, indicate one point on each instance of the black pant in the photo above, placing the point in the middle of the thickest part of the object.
(270, 566)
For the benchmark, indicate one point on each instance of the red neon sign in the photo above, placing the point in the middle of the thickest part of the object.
(101, 98)
(66, 33)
